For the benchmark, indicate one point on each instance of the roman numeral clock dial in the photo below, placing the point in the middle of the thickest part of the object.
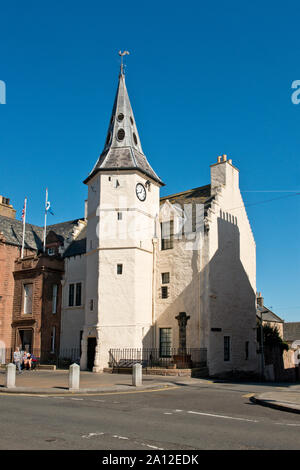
(140, 192)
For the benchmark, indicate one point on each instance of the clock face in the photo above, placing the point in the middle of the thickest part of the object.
(140, 191)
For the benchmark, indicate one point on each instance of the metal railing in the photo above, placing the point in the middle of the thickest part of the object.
(154, 357)
(61, 359)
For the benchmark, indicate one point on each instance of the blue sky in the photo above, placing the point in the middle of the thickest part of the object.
(204, 79)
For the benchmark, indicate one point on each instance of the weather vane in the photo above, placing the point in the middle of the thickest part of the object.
(122, 55)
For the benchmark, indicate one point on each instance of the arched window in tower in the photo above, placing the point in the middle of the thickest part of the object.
(120, 117)
(135, 139)
(121, 134)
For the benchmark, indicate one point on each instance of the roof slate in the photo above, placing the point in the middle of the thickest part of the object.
(12, 229)
(291, 331)
(123, 152)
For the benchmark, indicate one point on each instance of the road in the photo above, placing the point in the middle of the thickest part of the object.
(186, 417)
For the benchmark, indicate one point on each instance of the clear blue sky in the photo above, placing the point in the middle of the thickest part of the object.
(204, 78)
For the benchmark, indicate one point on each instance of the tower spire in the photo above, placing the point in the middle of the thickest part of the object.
(122, 148)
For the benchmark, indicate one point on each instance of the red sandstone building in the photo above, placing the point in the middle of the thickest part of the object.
(30, 288)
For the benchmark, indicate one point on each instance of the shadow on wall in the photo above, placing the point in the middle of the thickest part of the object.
(231, 303)
(227, 303)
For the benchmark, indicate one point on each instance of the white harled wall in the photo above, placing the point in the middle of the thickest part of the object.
(123, 315)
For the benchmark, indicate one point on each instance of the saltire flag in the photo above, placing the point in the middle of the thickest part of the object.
(48, 205)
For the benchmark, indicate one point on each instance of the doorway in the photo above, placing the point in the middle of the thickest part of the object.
(26, 340)
(91, 349)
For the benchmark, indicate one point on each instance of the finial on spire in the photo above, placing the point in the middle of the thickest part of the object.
(122, 55)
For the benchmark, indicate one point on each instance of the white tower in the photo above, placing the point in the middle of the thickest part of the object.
(123, 208)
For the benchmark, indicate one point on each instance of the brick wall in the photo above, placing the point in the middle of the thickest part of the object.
(42, 272)
(8, 255)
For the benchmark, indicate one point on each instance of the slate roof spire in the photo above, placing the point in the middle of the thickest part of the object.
(122, 148)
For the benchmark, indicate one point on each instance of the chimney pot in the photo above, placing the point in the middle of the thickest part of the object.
(224, 158)
(219, 159)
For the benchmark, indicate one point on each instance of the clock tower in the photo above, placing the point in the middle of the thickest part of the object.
(122, 218)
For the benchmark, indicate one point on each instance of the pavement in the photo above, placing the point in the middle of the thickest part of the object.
(45, 382)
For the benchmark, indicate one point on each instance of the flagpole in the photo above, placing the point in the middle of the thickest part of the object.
(24, 222)
(44, 242)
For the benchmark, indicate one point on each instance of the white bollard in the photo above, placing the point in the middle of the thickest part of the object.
(74, 375)
(11, 376)
(137, 375)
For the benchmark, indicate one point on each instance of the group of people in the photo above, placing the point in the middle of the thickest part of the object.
(23, 359)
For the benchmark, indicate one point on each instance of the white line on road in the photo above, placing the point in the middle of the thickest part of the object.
(287, 424)
(121, 437)
(78, 399)
(92, 434)
(221, 416)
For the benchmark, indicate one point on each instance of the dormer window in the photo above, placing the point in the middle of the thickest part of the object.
(51, 251)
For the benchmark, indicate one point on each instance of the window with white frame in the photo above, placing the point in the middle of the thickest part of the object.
(167, 235)
(75, 294)
(54, 298)
(165, 342)
(28, 288)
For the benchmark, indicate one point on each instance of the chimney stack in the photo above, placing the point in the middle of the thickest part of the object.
(260, 299)
(6, 208)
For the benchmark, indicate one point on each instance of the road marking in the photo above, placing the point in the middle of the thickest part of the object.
(152, 447)
(168, 413)
(121, 437)
(249, 395)
(76, 398)
(92, 434)
(221, 416)
(163, 389)
(287, 424)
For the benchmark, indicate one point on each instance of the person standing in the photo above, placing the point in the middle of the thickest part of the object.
(18, 359)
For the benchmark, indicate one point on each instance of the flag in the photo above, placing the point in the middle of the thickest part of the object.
(48, 205)
(24, 210)
(23, 219)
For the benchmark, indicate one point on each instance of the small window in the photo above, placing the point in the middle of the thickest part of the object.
(51, 251)
(165, 342)
(120, 134)
(226, 348)
(120, 117)
(91, 304)
(164, 292)
(71, 295)
(78, 294)
(28, 298)
(119, 268)
(54, 298)
(135, 139)
(120, 215)
(165, 278)
(167, 235)
(131, 120)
